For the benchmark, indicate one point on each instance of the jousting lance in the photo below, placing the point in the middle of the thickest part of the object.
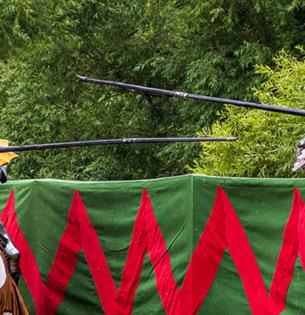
(60, 145)
(161, 92)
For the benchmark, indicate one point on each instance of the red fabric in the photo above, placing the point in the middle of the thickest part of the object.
(94, 255)
(289, 252)
(28, 263)
(160, 259)
(223, 230)
(64, 263)
(133, 267)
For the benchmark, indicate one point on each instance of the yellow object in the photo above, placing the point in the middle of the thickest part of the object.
(7, 157)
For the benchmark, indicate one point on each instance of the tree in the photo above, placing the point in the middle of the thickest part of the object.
(267, 141)
(208, 47)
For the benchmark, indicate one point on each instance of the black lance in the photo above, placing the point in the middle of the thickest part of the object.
(86, 143)
(161, 92)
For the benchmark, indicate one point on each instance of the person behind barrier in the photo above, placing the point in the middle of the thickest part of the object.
(11, 301)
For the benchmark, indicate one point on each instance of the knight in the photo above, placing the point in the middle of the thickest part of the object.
(300, 156)
(11, 301)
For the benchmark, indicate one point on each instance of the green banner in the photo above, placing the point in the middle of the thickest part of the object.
(57, 221)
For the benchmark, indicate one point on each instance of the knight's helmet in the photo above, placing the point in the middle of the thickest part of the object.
(300, 156)
(5, 159)
(3, 174)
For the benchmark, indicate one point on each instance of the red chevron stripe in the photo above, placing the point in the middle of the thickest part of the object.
(289, 252)
(223, 230)
(64, 263)
(28, 263)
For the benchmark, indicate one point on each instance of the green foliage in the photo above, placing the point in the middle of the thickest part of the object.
(267, 141)
(208, 47)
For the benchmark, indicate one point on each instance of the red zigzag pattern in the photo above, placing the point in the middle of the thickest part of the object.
(223, 230)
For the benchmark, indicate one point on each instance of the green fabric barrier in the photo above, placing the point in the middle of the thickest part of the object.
(182, 206)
